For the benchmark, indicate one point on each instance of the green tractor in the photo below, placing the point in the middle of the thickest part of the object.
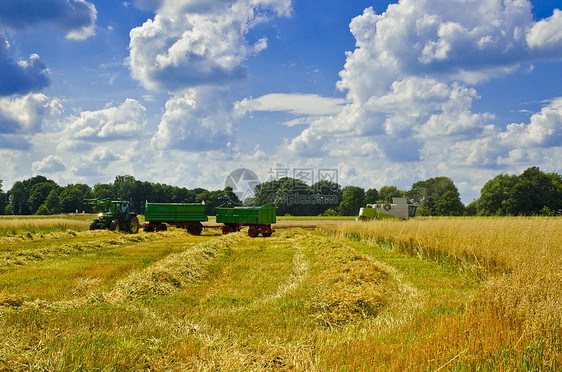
(113, 215)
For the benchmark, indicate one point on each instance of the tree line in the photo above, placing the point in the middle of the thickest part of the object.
(39, 195)
(531, 193)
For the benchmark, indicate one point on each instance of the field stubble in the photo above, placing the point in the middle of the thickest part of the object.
(515, 321)
(449, 294)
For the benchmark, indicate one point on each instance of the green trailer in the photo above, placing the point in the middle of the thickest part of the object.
(258, 219)
(185, 215)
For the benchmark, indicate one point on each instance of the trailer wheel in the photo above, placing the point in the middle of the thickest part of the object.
(226, 229)
(267, 235)
(253, 231)
(94, 224)
(161, 227)
(195, 229)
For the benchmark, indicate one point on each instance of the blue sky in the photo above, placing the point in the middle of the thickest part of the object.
(183, 92)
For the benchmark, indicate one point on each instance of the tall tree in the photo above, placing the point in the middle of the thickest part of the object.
(18, 198)
(449, 204)
(124, 187)
(324, 195)
(218, 198)
(52, 204)
(386, 192)
(371, 196)
(38, 194)
(532, 192)
(72, 199)
(103, 190)
(352, 200)
(427, 193)
(494, 195)
(3, 200)
(288, 195)
(555, 192)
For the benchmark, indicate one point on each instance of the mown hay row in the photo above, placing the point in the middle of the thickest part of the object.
(174, 272)
(24, 257)
(162, 278)
(351, 286)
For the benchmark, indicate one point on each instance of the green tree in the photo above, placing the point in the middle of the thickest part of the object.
(3, 200)
(427, 193)
(352, 200)
(53, 203)
(471, 209)
(555, 192)
(531, 193)
(386, 192)
(18, 198)
(103, 190)
(371, 196)
(183, 195)
(198, 190)
(25, 197)
(38, 194)
(325, 195)
(288, 195)
(124, 187)
(494, 195)
(449, 204)
(71, 200)
(218, 198)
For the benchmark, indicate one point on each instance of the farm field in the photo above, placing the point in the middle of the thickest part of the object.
(429, 294)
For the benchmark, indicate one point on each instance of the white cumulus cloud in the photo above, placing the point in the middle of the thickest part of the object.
(25, 114)
(187, 44)
(295, 103)
(123, 121)
(50, 164)
(187, 125)
(547, 33)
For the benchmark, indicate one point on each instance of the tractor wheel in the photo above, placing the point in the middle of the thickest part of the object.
(253, 231)
(195, 229)
(226, 229)
(94, 224)
(161, 227)
(133, 225)
(113, 225)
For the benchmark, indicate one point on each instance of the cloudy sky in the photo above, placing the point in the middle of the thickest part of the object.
(185, 91)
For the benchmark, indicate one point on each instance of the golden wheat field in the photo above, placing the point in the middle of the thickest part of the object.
(448, 294)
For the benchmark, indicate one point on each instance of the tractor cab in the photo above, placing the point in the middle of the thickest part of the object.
(114, 214)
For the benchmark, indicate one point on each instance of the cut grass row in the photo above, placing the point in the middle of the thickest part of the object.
(296, 301)
(62, 266)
